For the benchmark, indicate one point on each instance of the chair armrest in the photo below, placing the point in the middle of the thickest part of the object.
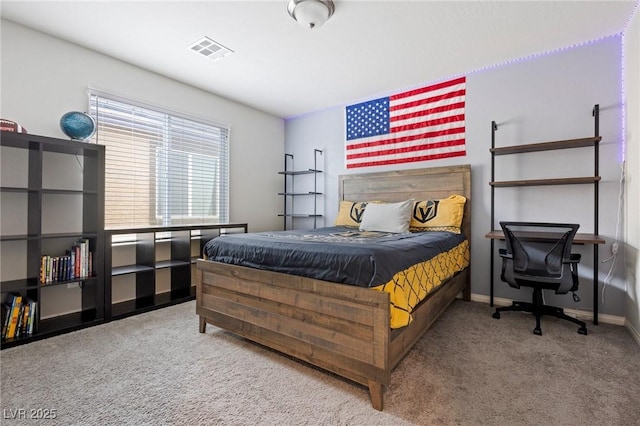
(574, 258)
(503, 253)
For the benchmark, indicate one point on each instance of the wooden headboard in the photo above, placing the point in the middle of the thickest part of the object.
(420, 184)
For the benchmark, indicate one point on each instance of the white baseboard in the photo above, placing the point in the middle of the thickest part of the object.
(582, 315)
(634, 333)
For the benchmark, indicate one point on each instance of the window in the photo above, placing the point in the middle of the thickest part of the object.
(161, 168)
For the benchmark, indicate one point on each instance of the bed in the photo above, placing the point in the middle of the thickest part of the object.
(345, 329)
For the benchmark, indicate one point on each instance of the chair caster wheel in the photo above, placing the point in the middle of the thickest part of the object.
(582, 330)
(537, 331)
(496, 315)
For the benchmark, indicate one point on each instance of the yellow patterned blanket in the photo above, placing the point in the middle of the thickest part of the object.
(410, 286)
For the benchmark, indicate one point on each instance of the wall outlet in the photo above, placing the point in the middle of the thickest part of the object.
(614, 248)
(73, 285)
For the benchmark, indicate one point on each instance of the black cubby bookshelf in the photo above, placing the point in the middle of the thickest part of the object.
(149, 252)
(52, 197)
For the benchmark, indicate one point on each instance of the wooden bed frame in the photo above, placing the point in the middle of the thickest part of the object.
(341, 328)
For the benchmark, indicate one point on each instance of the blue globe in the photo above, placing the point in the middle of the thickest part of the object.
(78, 125)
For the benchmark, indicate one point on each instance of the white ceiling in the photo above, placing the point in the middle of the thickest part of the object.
(368, 48)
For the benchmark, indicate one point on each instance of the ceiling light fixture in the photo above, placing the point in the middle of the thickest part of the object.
(311, 13)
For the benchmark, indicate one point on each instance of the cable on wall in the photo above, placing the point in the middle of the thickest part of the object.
(615, 246)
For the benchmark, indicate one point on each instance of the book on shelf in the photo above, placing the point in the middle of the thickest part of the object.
(6, 318)
(31, 321)
(76, 263)
(19, 316)
(22, 323)
(24, 328)
(14, 300)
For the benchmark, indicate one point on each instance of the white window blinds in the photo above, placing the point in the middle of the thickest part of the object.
(161, 169)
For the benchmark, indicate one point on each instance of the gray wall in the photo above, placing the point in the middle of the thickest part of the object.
(631, 254)
(542, 98)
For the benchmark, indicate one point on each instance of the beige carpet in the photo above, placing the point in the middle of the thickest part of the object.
(469, 369)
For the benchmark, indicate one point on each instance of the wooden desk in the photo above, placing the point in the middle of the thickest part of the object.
(549, 236)
(580, 238)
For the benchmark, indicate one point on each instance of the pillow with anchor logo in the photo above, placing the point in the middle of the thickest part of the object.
(438, 215)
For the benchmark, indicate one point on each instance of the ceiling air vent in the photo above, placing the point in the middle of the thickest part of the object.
(209, 48)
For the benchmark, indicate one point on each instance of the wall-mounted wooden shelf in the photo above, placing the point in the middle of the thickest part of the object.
(547, 146)
(542, 182)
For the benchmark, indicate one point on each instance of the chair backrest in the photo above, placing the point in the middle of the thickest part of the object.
(529, 261)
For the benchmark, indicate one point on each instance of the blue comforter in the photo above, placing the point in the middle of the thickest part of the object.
(336, 254)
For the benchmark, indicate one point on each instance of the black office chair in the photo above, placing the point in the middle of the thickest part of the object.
(526, 262)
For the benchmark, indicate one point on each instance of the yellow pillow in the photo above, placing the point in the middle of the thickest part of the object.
(350, 213)
(438, 215)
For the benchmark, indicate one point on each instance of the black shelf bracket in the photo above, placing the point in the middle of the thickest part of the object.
(494, 129)
(286, 157)
(316, 152)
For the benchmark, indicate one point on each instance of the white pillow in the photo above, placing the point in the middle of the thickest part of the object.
(387, 217)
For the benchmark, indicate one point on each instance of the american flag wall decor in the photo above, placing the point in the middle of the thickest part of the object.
(417, 125)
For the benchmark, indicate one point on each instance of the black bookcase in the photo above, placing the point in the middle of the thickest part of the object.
(153, 267)
(52, 197)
